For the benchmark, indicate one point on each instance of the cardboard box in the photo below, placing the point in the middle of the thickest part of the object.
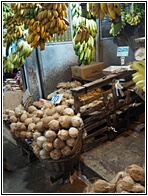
(87, 71)
(12, 99)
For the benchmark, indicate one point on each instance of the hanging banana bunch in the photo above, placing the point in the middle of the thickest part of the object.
(17, 57)
(99, 10)
(18, 12)
(14, 30)
(50, 20)
(31, 11)
(84, 45)
(7, 12)
(133, 18)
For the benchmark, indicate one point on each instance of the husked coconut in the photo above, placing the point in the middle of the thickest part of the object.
(23, 117)
(56, 116)
(46, 120)
(38, 113)
(136, 172)
(66, 150)
(31, 109)
(128, 184)
(40, 140)
(13, 126)
(101, 186)
(31, 126)
(49, 112)
(50, 135)
(55, 154)
(76, 121)
(18, 111)
(58, 143)
(35, 119)
(39, 126)
(54, 125)
(22, 127)
(68, 112)
(44, 154)
(36, 149)
(29, 134)
(13, 119)
(60, 108)
(38, 104)
(63, 134)
(73, 132)
(65, 121)
(22, 134)
(11, 113)
(48, 146)
(36, 134)
(70, 142)
(28, 121)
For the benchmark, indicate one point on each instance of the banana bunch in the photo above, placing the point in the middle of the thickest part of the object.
(76, 22)
(95, 9)
(49, 21)
(139, 76)
(82, 35)
(92, 26)
(18, 12)
(14, 30)
(132, 17)
(115, 29)
(7, 12)
(17, 57)
(85, 51)
(76, 9)
(113, 10)
(31, 10)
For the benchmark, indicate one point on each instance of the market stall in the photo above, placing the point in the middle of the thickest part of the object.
(80, 88)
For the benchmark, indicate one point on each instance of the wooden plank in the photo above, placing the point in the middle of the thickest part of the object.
(94, 125)
(99, 116)
(92, 143)
(96, 133)
(99, 107)
(89, 100)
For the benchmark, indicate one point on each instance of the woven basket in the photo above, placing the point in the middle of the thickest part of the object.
(66, 164)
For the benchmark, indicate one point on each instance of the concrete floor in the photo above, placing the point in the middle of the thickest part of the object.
(103, 161)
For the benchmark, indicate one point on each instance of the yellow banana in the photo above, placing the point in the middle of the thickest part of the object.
(111, 11)
(140, 83)
(103, 7)
(138, 78)
(117, 8)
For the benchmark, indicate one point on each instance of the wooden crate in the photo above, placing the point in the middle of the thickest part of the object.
(101, 122)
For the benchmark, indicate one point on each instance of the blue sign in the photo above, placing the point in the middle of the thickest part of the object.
(123, 51)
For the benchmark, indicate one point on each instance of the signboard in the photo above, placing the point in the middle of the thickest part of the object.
(123, 51)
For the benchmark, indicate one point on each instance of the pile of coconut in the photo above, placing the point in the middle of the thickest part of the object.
(54, 130)
(132, 180)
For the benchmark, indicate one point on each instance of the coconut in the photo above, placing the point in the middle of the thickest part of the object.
(50, 135)
(55, 154)
(63, 134)
(73, 132)
(58, 144)
(66, 150)
(54, 125)
(76, 121)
